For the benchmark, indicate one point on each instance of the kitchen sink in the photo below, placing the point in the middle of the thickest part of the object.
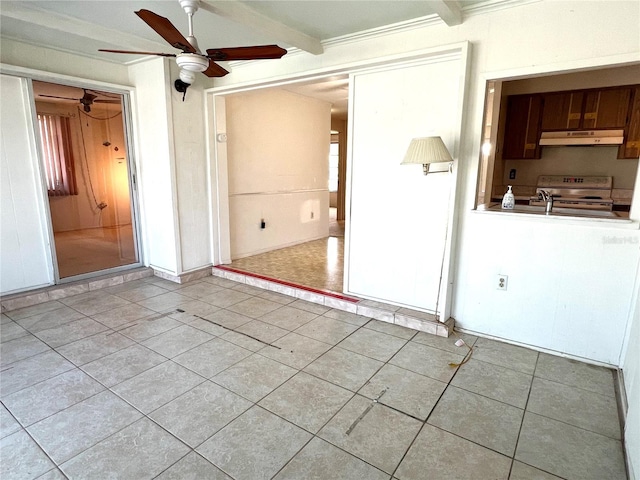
(581, 212)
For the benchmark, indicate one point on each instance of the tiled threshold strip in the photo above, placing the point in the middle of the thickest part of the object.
(56, 292)
(405, 317)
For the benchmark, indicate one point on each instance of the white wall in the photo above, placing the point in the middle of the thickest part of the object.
(278, 156)
(191, 174)
(52, 63)
(25, 261)
(156, 168)
(399, 217)
(569, 289)
(530, 39)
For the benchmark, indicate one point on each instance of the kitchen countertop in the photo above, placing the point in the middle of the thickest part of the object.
(558, 213)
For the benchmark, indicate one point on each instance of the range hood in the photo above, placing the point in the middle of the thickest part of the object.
(583, 137)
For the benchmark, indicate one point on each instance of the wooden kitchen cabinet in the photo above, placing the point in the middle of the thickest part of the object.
(522, 129)
(606, 108)
(562, 111)
(586, 109)
(631, 146)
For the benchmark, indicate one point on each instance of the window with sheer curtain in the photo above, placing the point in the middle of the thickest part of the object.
(55, 133)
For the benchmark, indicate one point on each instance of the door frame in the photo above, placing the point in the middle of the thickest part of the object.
(128, 94)
(217, 151)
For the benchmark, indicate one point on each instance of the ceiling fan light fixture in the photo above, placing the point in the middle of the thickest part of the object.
(187, 76)
(192, 62)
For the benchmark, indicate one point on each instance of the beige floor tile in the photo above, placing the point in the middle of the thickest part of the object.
(580, 408)
(123, 364)
(568, 451)
(493, 381)
(306, 401)
(32, 370)
(295, 350)
(408, 392)
(428, 361)
(450, 458)
(373, 344)
(212, 357)
(319, 460)
(344, 368)
(255, 446)
(254, 377)
(288, 318)
(505, 355)
(489, 423)
(193, 466)
(576, 374)
(73, 430)
(142, 450)
(373, 432)
(177, 340)
(46, 398)
(522, 471)
(327, 330)
(22, 457)
(199, 413)
(157, 386)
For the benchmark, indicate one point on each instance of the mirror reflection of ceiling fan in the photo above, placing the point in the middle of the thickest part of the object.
(86, 100)
(192, 60)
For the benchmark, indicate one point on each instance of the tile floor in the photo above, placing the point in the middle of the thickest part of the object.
(92, 249)
(317, 264)
(218, 380)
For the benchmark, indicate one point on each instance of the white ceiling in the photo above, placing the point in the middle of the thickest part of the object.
(83, 27)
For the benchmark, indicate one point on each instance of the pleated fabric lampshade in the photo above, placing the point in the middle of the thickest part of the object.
(425, 151)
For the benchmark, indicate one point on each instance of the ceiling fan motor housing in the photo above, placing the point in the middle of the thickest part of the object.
(189, 6)
(192, 62)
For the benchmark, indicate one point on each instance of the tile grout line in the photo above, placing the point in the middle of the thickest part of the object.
(526, 404)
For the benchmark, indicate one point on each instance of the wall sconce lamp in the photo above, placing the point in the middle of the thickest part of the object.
(428, 150)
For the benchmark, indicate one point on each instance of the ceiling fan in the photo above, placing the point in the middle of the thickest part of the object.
(192, 60)
(86, 100)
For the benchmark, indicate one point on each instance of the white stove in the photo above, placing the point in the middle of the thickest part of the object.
(593, 193)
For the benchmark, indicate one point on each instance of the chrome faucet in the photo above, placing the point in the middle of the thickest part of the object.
(547, 197)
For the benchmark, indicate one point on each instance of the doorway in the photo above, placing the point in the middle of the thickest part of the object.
(87, 172)
(287, 221)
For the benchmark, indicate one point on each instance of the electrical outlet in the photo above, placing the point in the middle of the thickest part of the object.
(502, 282)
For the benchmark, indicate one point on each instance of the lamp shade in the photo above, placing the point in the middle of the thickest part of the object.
(426, 150)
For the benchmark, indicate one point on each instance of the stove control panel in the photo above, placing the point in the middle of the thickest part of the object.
(567, 181)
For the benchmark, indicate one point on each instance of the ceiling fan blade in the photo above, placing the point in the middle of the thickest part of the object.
(166, 30)
(215, 70)
(139, 53)
(55, 96)
(108, 101)
(257, 52)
